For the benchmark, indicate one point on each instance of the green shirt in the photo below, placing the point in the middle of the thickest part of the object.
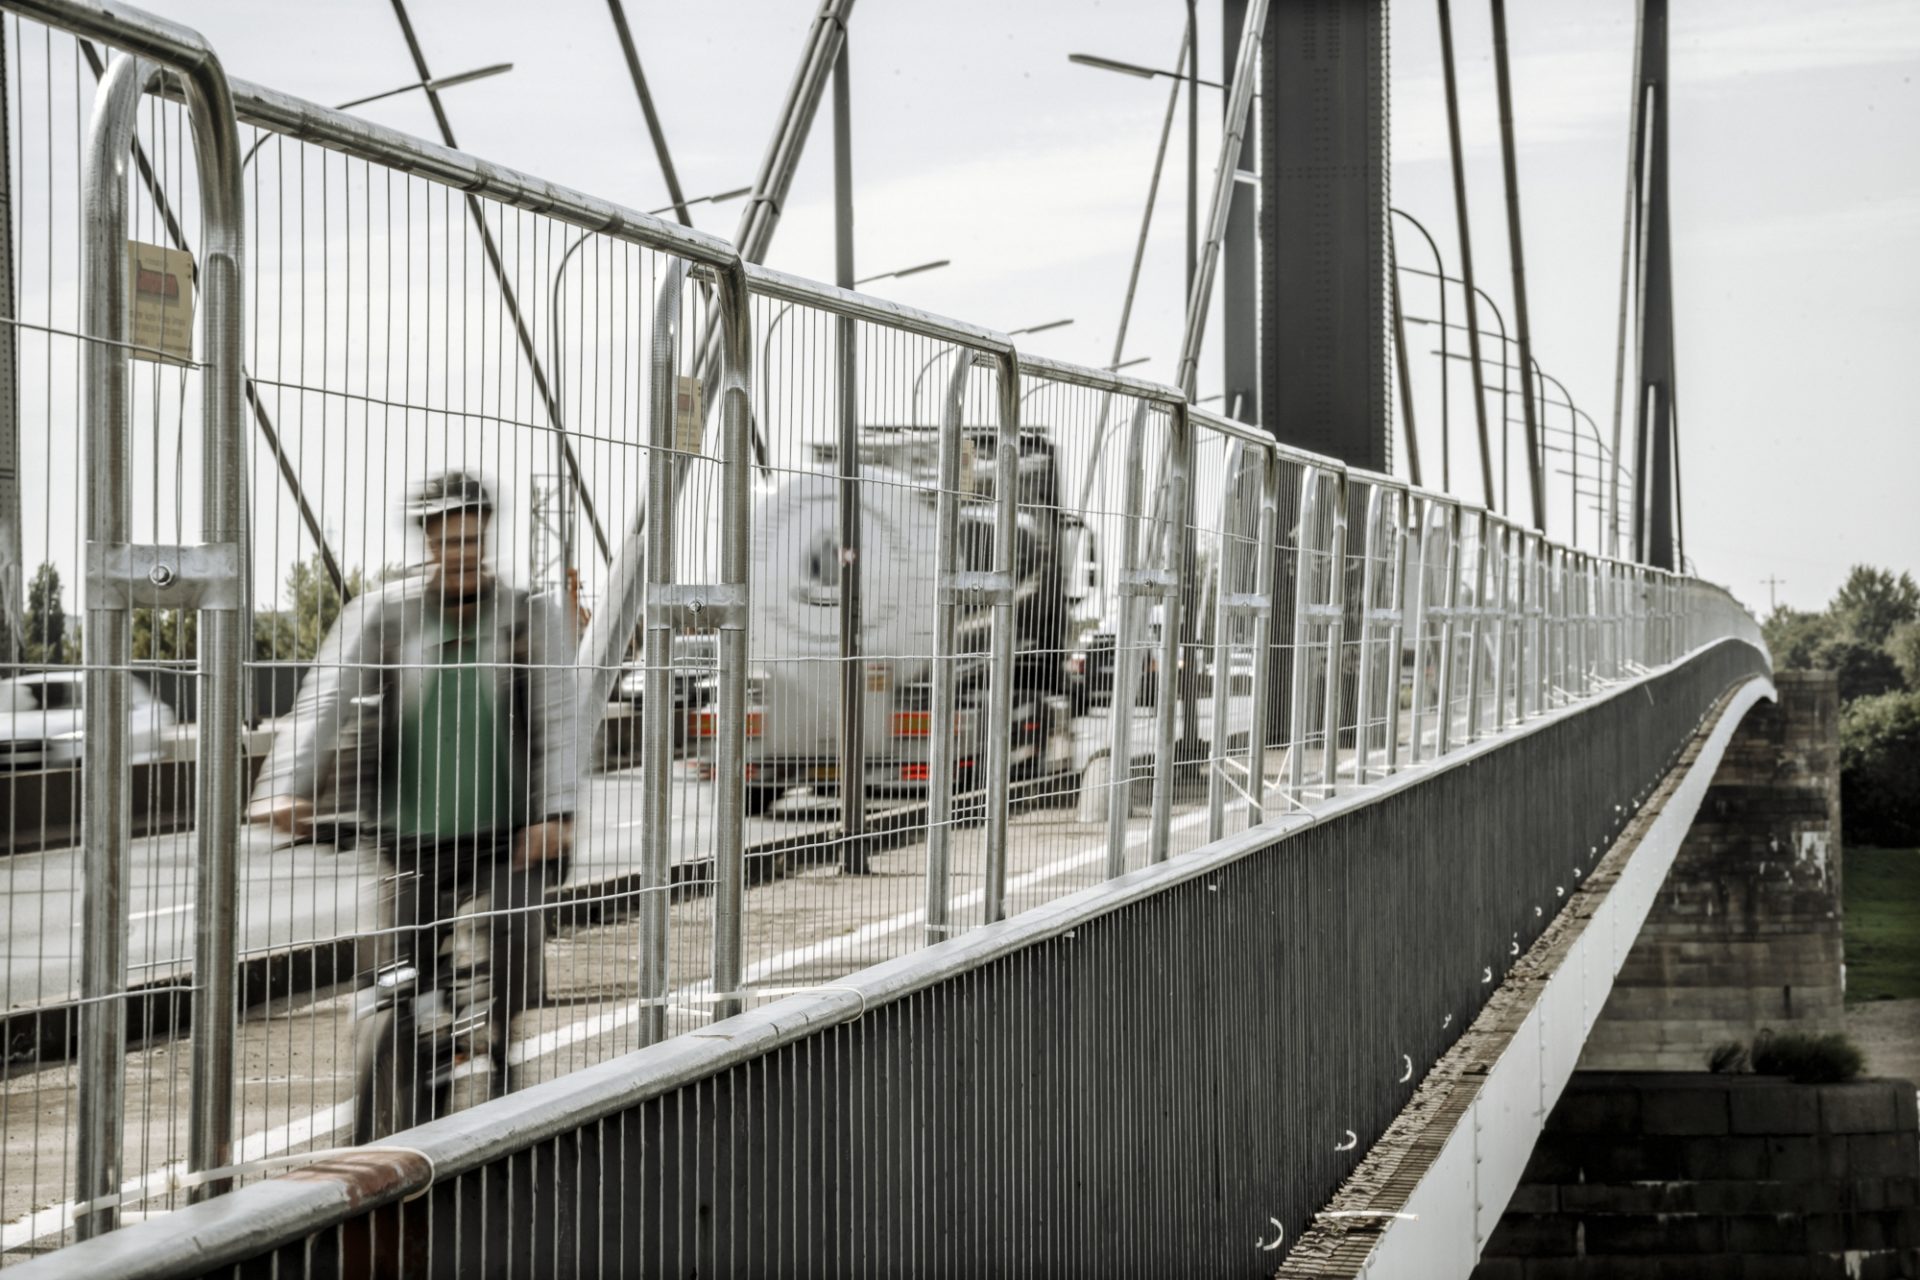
(452, 771)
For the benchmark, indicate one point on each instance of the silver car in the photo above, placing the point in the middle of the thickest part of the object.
(41, 721)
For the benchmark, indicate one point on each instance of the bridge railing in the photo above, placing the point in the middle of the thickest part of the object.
(1098, 627)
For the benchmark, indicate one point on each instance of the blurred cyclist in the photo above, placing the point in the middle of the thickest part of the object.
(440, 715)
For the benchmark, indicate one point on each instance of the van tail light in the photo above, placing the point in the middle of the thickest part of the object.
(706, 724)
(912, 724)
(913, 773)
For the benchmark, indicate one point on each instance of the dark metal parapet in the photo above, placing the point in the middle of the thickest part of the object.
(1157, 1077)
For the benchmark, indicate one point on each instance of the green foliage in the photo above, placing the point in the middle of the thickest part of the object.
(1873, 602)
(1865, 670)
(49, 639)
(1880, 769)
(1904, 645)
(1808, 1057)
(295, 632)
(1882, 890)
(1795, 637)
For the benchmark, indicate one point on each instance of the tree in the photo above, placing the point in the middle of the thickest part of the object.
(1872, 602)
(47, 638)
(1795, 638)
(1879, 765)
(1904, 645)
(294, 633)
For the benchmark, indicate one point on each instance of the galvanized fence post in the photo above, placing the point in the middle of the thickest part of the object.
(1303, 605)
(1265, 550)
(1421, 536)
(1172, 612)
(1336, 634)
(1366, 691)
(1449, 630)
(211, 577)
(107, 824)
(946, 562)
(1224, 612)
(736, 554)
(1477, 616)
(1396, 630)
(1126, 665)
(1500, 563)
(1006, 498)
(656, 817)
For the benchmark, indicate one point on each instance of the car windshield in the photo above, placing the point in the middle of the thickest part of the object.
(39, 695)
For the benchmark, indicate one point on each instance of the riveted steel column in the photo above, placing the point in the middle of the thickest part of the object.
(1126, 666)
(736, 553)
(1336, 633)
(1179, 488)
(1006, 498)
(107, 827)
(946, 560)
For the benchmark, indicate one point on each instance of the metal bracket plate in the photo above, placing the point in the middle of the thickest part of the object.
(1329, 611)
(131, 575)
(1246, 603)
(975, 587)
(720, 606)
(1149, 582)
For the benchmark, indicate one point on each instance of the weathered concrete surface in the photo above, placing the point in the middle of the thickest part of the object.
(1746, 934)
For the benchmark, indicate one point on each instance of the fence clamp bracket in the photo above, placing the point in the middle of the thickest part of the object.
(979, 588)
(1149, 582)
(1246, 604)
(719, 606)
(132, 575)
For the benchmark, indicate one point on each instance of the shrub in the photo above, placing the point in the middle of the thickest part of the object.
(1880, 770)
(1729, 1059)
(1807, 1057)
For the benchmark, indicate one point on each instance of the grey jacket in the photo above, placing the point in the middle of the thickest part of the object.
(330, 750)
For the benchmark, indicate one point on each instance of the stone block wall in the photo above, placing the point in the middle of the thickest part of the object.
(1746, 934)
(1646, 1176)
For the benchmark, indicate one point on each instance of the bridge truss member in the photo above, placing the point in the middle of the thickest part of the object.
(439, 716)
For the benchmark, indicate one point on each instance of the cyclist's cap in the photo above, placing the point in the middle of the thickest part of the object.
(446, 493)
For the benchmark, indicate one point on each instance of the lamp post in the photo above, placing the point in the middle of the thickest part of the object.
(434, 85)
(1440, 270)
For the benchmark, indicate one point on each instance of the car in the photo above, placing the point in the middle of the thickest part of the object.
(42, 721)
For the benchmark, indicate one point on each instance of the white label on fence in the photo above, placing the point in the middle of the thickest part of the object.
(161, 285)
(689, 418)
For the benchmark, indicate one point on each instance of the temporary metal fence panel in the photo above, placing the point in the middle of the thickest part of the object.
(671, 636)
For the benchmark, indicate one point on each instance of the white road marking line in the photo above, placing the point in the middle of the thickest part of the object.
(328, 1120)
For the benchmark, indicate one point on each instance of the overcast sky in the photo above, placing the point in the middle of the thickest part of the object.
(1796, 187)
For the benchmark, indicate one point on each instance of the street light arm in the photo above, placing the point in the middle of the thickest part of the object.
(1238, 103)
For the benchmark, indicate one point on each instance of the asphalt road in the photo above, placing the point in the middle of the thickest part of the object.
(296, 894)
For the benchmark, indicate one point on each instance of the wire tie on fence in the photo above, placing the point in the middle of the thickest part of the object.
(1407, 1073)
(1352, 1141)
(1260, 1243)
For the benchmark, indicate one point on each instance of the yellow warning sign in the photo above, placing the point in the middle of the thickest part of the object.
(161, 286)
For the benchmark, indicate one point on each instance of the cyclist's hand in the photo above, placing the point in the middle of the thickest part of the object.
(291, 814)
(543, 842)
